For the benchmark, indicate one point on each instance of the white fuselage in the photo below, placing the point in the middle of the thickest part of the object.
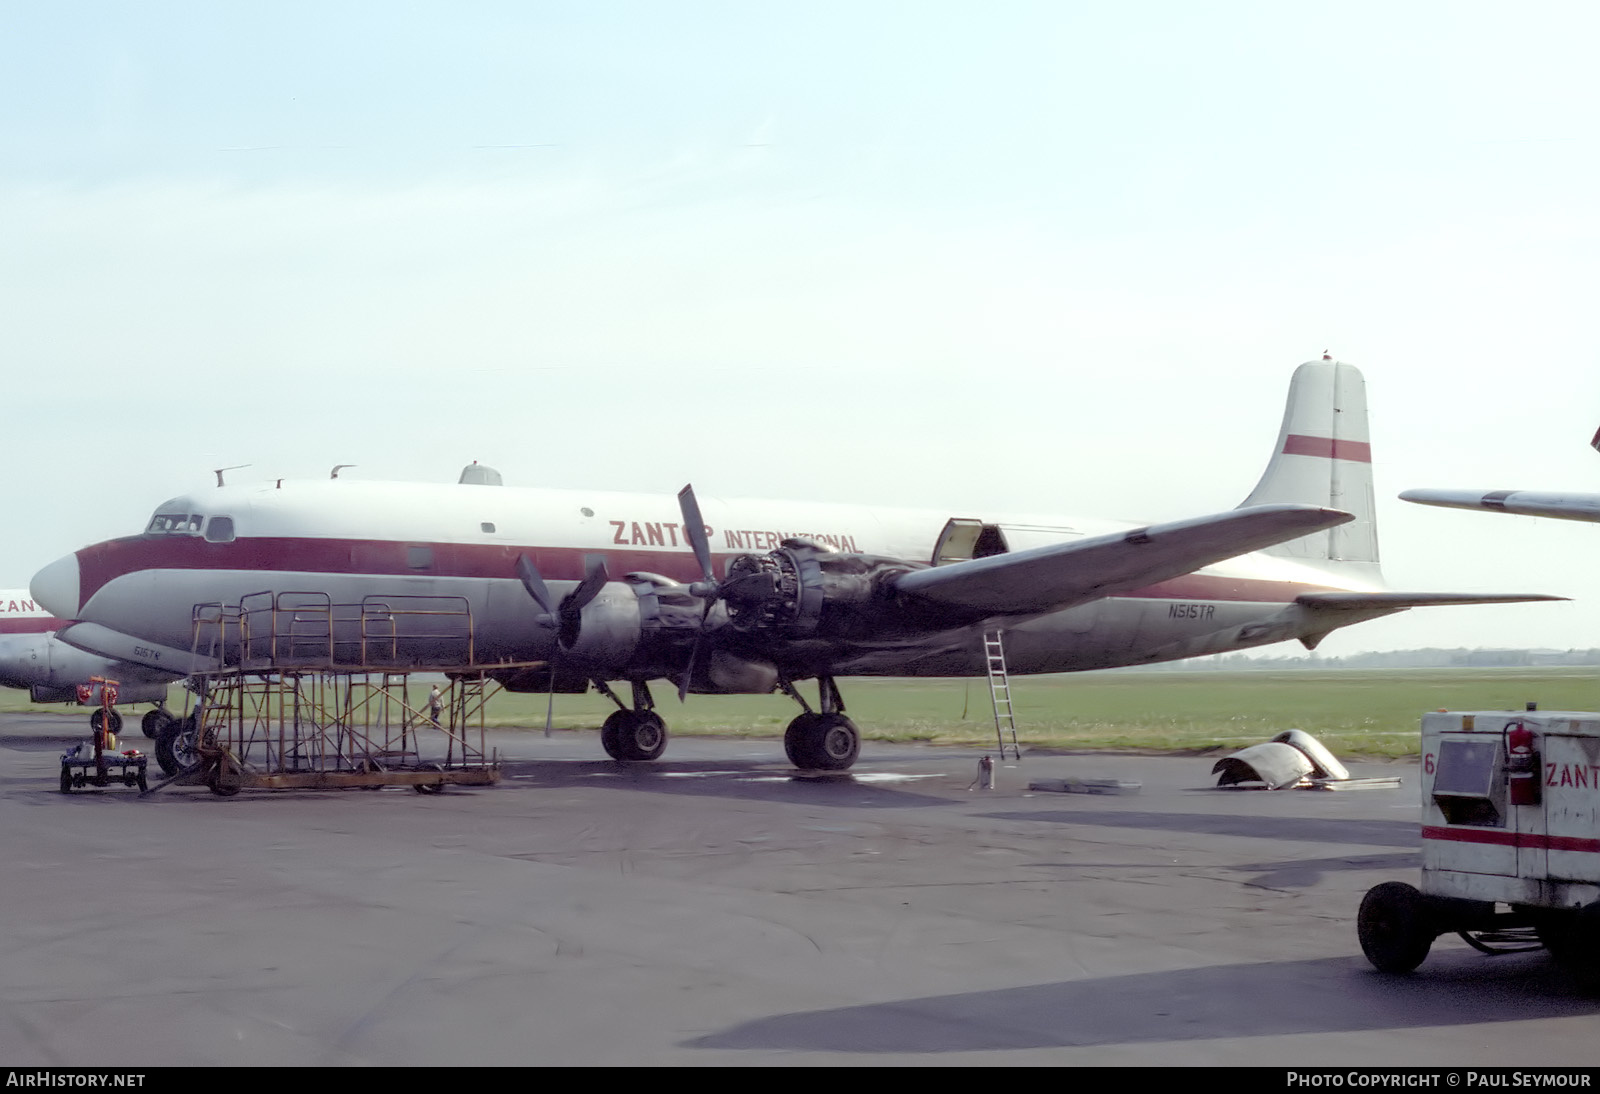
(349, 540)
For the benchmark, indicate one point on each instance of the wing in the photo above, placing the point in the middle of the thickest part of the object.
(1525, 502)
(1360, 602)
(1062, 575)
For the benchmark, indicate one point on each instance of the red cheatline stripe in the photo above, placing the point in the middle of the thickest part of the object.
(1330, 448)
(105, 562)
(1502, 838)
(38, 624)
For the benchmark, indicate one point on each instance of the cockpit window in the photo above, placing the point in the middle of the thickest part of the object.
(220, 530)
(174, 524)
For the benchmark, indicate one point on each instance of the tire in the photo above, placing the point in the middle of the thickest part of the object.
(822, 742)
(1395, 927)
(634, 735)
(430, 788)
(97, 719)
(66, 779)
(1555, 928)
(223, 786)
(154, 721)
(1574, 942)
(610, 732)
(177, 751)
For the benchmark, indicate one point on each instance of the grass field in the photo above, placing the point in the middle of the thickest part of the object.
(1354, 713)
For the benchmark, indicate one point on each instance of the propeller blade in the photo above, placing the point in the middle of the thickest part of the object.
(700, 641)
(695, 529)
(534, 583)
(550, 704)
(572, 605)
(588, 588)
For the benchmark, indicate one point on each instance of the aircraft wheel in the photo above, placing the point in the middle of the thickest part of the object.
(154, 721)
(1395, 928)
(97, 719)
(176, 748)
(634, 735)
(610, 730)
(224, 786)
(66, 779)
(822, 742)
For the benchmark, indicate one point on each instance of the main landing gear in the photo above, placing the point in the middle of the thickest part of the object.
(637, 734)
(816, 740)
(825, 740)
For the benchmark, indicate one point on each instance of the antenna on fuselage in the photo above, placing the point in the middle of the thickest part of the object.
(217, 471)
(338, 467)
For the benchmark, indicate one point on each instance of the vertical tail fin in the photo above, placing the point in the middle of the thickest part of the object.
(1323, 458)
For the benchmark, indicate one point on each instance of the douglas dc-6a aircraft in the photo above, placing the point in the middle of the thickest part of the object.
(789, 592)
(31, 657)
(1532, 503)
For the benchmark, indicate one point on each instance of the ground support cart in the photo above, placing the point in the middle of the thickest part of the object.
(1510, 843)
(81, 767)
(100, 765)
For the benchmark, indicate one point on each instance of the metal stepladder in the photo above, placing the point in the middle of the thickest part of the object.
(1005, 722)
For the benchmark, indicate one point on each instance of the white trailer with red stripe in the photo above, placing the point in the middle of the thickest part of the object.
(1510, 842)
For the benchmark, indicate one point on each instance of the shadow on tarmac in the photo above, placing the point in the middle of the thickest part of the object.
(1340, 830)
(1266, 999)
(750, 781)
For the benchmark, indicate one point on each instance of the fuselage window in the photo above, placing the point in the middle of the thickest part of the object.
(419, 558)
(487, 526)
(220, 530)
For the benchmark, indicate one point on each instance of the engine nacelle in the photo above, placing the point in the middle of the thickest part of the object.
(671, 621)
(803, 590)
(607, 633)
(643, 626)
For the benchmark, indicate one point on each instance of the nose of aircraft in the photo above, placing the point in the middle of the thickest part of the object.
(56, 587)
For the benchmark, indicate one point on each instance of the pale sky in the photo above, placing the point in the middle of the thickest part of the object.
(985, 258)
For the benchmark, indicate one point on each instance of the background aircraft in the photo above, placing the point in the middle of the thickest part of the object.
(834, 591)
(32, 658)
(1532, 503)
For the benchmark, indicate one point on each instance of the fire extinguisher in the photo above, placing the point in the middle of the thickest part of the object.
(1522, 764)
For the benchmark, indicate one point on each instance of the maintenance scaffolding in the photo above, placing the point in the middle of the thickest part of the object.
(299, 692)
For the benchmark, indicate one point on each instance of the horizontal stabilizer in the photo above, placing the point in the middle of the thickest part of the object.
(1062, 575)
(1357, 602)
(1528, 503)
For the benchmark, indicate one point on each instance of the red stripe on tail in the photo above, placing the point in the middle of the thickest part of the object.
(1297, 444)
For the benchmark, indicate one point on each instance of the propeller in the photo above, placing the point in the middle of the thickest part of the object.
(566, 617)
(738, 589)
(694, 529)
